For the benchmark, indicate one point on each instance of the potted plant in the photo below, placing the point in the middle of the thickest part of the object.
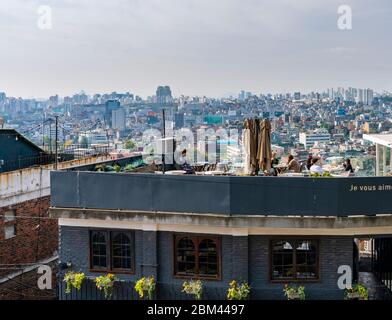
(194, 288)
(238, 292)
(146, 287)
(73, 280)
(357, 292)
(294, 293)
(106, 283)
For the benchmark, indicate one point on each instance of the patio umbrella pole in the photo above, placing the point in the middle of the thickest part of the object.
(163, 141)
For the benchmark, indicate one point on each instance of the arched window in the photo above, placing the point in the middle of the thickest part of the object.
(294, 259)
(197, 257)
(121, 251)
(112, 251)
(99, 250)
(186, 256)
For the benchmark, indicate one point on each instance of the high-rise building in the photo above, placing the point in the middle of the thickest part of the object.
(54, 101)
(118, 119)
(297, 95)
(179, 120)
(368, 96)
(164, 95)
(110, 106)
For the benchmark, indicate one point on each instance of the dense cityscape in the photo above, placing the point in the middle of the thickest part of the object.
(329, 124)
(186, 156)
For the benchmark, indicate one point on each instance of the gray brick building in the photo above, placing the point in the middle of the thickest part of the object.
(182, 228)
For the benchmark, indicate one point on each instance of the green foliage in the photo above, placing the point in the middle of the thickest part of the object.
(146, 286)
(358, 291)
(193, 288)
(73, 280)
(106, 283)
(325, 174)
(238, 292)
(294, 293)
(130, 145)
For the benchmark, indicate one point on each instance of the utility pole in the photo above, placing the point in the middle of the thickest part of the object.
(163, 141)
(50, 135)
(56, 142)
(43, 134)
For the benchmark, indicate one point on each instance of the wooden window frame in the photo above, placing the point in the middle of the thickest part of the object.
(295, 241)
(196, 240)
(109, 252)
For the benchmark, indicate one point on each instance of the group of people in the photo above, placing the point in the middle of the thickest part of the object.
(313, 164)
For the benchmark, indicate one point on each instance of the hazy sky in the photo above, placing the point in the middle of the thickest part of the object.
(203, 47)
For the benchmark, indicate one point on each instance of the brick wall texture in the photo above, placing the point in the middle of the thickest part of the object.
(36, 236)
(242, 258)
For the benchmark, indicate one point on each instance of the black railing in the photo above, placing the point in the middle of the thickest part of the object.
(382, 260)
(124, 290)
(71, 152)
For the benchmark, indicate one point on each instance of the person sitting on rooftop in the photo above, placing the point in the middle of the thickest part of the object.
(183, 162)
(316, 166)
(309, 162)
(293, 165)
(348, 167)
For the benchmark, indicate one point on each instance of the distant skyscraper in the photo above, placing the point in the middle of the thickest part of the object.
(164, 95)
(54, 101)
(297, 95)
(360, 98)
(241, 96)
(179, 120)
(118, 119)
(110, 105)
(368, 96)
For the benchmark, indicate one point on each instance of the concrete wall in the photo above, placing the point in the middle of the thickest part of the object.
(243, 258)
(31, 183)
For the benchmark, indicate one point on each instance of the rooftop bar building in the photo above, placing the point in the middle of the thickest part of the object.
(383, 144)
(267, 231)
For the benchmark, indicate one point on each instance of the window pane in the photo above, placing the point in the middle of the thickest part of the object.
(9, 231)
(208, 258)
(98, 250)
(282, 260)
(9, 216)
(306, 255)
(186, 256)
(121, 251)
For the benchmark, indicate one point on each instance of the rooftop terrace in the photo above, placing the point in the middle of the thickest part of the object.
(222, 195)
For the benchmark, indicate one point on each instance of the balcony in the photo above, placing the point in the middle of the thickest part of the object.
(222, 195)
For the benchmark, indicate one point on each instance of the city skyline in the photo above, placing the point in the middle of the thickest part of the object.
(333, 91)
(197, 47)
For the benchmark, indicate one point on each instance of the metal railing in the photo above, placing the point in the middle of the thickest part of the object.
(68, 153)
(124, 290)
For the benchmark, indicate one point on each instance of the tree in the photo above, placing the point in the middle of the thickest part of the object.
(130, 144)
